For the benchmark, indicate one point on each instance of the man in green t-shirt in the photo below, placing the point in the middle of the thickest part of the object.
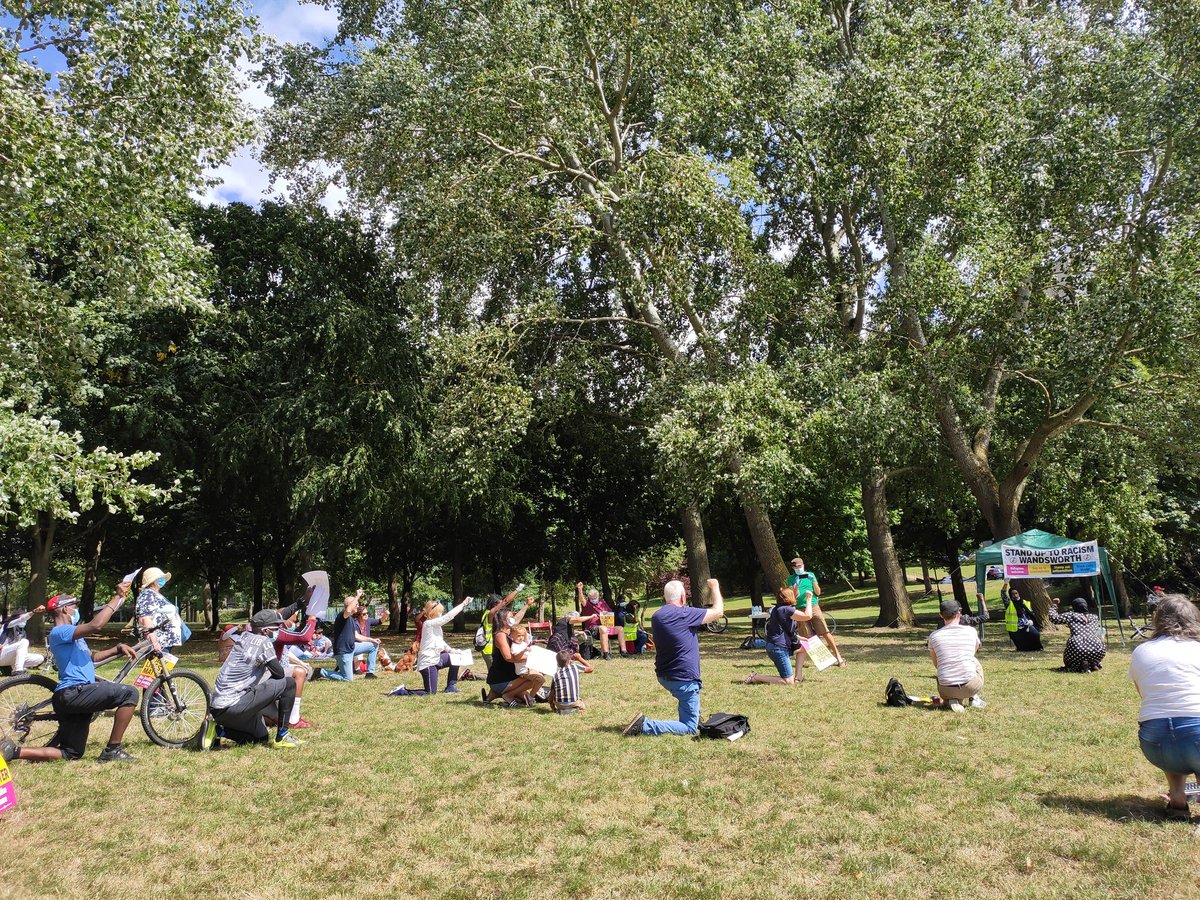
(803, 583)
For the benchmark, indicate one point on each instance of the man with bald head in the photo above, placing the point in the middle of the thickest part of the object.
(676, 627)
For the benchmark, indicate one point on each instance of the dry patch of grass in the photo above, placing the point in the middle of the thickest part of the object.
(1045, 793)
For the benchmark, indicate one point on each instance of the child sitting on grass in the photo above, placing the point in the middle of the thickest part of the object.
(320, 647)
(564, 689)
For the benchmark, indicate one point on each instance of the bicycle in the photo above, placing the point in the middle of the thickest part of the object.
(174, 703)
(717, 626)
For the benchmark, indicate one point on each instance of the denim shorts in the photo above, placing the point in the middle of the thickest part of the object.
(782, 659)
(1172, 744)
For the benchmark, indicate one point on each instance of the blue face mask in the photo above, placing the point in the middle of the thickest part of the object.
(162, 582)
(75, 616)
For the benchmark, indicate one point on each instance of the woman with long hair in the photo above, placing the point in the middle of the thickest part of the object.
(1166, 672)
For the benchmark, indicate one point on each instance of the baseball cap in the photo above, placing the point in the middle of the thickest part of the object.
(58, 601)
(797, 561)
(266, 618)
(949, 608)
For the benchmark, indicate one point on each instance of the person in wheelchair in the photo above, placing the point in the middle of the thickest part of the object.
(78, 695)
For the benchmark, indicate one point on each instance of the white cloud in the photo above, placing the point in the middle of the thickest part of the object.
(244, 179)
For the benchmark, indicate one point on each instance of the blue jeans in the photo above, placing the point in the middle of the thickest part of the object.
(344, 670)
(371, 649)
(782, 659)
(688, 695)
(1172, 744)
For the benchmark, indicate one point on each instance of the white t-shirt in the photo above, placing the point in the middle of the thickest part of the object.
(1166, 671)
(955, 646)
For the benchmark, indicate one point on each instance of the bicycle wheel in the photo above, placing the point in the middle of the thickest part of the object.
(719, 626)
(832, 623)
(173, 708)
(27, 716)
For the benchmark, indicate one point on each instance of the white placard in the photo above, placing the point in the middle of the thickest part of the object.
(319, 601)
(818, 653)
(461, 658)
(542, 661)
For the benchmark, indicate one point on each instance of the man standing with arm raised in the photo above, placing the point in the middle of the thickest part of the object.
(676, 628)
(804, 582)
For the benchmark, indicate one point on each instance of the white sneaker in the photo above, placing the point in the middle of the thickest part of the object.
(978, 702)
(956, 706)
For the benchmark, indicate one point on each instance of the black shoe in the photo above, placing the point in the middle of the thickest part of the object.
(608, 656)
(483, 695)
(634, 728)
(115, 754)
(370, 675)
(8, 750)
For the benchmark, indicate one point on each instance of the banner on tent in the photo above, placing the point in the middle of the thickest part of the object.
(1072, 561)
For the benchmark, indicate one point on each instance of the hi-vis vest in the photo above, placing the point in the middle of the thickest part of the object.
(630, 629)
(1010, 617)
(487, 633)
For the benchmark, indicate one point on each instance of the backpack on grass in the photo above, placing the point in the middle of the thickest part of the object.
(895, 695)
(729, 726)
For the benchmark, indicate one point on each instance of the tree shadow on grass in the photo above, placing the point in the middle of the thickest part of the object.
(1124, 808)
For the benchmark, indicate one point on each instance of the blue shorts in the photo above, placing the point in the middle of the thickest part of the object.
(782, 659)
(1172, 744)
(499, 688)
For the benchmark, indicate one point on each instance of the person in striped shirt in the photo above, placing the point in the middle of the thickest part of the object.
(564, 689)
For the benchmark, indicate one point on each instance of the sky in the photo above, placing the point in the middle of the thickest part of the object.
(243, 178)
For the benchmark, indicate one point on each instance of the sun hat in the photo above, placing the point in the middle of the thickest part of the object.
(151, 574)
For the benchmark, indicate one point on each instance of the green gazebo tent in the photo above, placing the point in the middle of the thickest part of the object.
(1044, 540)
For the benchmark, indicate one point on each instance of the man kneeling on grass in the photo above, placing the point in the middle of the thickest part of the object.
(253, 681)
(78, 695)
(677, 660)
(952, 649)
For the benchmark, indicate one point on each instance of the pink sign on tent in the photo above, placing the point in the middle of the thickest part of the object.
(8, 790)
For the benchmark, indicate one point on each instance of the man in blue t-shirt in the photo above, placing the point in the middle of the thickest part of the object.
(78, 696)
(676, 627)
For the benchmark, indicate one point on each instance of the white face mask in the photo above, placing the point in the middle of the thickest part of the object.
(799, 570)
(512, 620)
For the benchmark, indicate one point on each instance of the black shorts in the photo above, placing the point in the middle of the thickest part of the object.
(75, 707)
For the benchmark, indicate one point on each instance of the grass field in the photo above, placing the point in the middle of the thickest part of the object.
(1044, 793)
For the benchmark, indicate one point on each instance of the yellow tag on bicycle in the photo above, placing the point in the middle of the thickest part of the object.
(8, 790)
(148, 674)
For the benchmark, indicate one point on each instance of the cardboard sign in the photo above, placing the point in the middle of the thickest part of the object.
(818, 653)
(147, 675)
(608, 620)
(461, 658)
(1070, 561)
(319, 601)
(8, 790)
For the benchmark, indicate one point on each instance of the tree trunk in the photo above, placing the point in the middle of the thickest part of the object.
(956, 576)
(216, 586)
(393, 604)
(87, 600)
(40, 555)
(1120, 588)
(895, 606)
(285, 575)
(925, 576)
(605, 587)
(456, 583)
(756, 587)
(697, 553)
(207, 596)
(406, 598)
(765, 545)
(257, 590)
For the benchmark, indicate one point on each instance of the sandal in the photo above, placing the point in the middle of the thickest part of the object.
(749, 679)
(1175, 814)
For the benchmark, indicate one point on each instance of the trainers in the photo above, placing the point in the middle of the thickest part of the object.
(634, 728)
(608, 656)
(115, 754)
(978, 702)
(8, 750)
(451, 690)
(208, 736)
(956, 706)
(301, 723)
(287, 742)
